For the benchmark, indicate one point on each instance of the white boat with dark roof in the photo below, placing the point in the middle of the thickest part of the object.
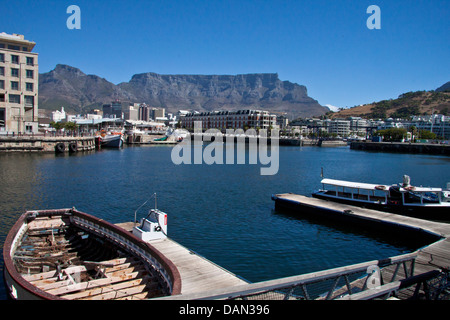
(402, 198)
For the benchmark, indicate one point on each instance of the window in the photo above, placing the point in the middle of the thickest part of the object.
(14, 72)
(2, 115)
(11, 47)
(29, 86)
(30, 74)
(2, 84)
(30, 61)
(2, 71)
(14, 59)
(14, 85)
(29, 101)
(2, 57)
(2, 97)
(14, 98)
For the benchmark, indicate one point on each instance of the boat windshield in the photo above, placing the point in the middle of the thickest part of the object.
(421, 197)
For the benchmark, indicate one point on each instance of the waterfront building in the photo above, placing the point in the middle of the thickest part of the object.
(19, 80)
(282, 121)
(131, 112)
(144, 112)
(359, 126)
(157, 113)
(240, 119)
(113, 110)
(58, 116)
(436, 123)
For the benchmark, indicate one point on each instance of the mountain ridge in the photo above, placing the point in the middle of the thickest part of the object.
(69, 87)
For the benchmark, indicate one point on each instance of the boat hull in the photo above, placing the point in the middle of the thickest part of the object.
(113, 141)
(51, 272)
(435, 212)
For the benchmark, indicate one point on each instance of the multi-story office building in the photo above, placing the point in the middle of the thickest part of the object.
(144, 112)
(240, 119)
(113, 110)
(19, 78)
(131, 112)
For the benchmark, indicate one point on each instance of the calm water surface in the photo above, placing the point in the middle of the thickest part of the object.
(223, 212)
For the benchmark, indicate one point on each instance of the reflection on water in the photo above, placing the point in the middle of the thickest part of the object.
(223, 212)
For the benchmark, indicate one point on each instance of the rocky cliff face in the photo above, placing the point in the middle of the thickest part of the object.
(69, 87)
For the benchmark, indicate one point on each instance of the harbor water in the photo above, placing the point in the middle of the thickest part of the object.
(223, 212)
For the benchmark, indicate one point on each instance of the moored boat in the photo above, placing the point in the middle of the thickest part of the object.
(112, 141)
(110, 138)
(403, 198)
(68, 254)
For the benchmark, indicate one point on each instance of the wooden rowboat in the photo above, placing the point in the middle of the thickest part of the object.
(68, 254)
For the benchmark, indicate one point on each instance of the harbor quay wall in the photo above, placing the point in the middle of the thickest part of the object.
(145, 138)
(246, 139)
(282, 141)
(35, 143)
(427, 148)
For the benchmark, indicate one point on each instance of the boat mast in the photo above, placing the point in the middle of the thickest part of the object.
(135, 212)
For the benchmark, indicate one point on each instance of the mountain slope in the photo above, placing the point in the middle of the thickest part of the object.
(70, 87)
(407, 104)
(444, 87)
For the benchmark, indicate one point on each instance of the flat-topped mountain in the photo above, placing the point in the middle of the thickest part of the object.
(70, 87)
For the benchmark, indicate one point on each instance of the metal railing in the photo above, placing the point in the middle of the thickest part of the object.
(366, 280)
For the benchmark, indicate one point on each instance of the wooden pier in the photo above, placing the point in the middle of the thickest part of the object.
(198, 274)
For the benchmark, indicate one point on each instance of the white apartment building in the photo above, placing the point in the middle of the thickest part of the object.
(240, 119)
(436, 123)
(58, 116)
(19, 78)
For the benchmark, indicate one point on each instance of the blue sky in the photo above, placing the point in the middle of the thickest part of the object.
(322, 44)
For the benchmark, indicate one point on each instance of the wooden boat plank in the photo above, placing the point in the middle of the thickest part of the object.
(47, 280)
(117, 294)
(122, 266)
(118, 261)
(39, 276)
(117, 273)
(104, 289)
(46, 223)
(123, 290)
(96, 283)
(139, 296)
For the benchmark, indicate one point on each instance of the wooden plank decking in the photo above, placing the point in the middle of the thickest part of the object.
(197, 273)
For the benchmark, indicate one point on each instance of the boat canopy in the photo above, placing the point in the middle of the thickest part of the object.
(354, 185)
(368, 186)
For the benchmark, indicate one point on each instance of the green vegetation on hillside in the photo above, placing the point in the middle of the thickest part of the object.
(406, 105)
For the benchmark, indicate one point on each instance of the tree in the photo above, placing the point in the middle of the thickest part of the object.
(392, 134)
(425, 134)
(414, 131)
(70, 126)
(56, 125)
